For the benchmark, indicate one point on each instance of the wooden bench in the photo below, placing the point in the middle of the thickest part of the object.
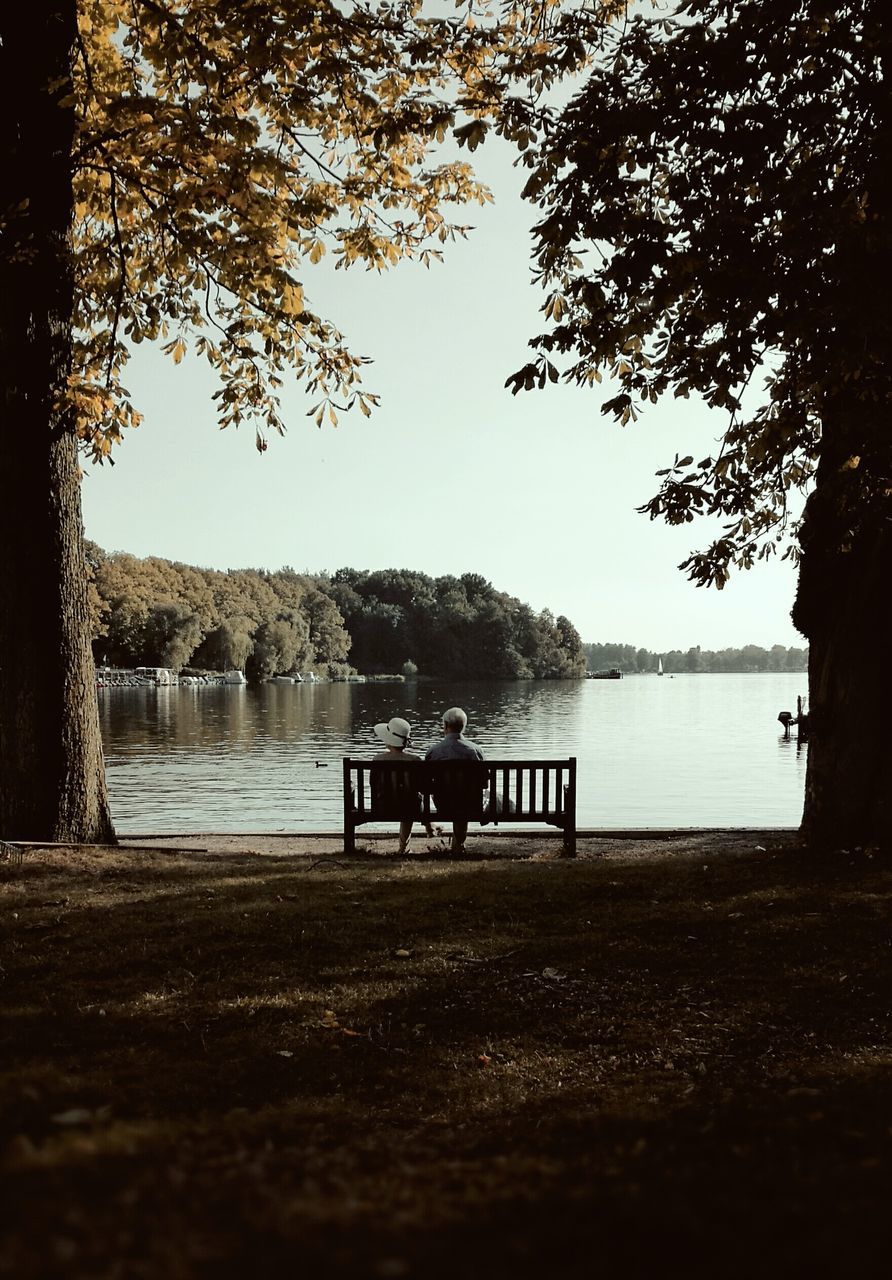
(484, 791)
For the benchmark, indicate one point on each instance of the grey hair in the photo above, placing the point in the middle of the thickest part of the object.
(455, 719)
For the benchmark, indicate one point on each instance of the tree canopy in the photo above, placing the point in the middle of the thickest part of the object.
(715, 202)
(156, 612)
(222, 147)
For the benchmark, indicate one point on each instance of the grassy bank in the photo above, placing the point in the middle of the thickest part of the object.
(245, 1065)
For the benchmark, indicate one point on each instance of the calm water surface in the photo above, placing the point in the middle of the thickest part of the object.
(678, 751)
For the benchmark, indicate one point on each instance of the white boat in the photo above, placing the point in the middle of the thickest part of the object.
(659, 666)
(234, 677)
(156, 675)
(280, 680)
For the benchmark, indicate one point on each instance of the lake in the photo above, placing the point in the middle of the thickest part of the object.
(684, 750)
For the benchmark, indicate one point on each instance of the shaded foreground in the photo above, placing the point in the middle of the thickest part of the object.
(667, 1058)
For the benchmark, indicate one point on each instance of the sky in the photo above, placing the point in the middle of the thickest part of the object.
(451, 474)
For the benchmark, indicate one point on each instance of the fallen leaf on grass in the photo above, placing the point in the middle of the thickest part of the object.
(484, 1059)
(81, 1115)
(284, 1053)
(331, 1023)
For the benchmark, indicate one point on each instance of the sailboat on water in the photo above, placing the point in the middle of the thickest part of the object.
(659, 666)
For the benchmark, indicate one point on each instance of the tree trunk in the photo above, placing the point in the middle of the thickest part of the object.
(842, 603)
(842, 606)
(52, 781)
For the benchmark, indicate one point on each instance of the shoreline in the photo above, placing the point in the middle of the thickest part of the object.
(622, 844)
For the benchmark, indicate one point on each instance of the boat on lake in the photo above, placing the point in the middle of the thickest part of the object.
(157, 676)
(613, 674)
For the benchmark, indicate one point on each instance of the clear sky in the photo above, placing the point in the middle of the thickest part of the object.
(452, 473)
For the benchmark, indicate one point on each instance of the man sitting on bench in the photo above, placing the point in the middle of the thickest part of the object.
(460, 797)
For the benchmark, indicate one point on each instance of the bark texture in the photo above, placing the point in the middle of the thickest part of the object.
(843, 607)
(848, 788)
(52, 781)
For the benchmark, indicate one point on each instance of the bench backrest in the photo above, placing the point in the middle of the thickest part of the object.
(532, 790)
(526, 790)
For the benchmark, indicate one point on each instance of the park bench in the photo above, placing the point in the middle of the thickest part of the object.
(484, 791)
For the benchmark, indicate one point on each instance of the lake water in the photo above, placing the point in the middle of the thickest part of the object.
(684, 750)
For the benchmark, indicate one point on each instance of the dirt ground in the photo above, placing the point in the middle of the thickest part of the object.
(253, 1055)
(623, 845)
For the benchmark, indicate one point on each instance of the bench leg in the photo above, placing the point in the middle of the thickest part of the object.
(349, 827)
(570, 812)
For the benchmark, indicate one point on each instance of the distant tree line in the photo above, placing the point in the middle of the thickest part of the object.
(156, 612)
(751, 657)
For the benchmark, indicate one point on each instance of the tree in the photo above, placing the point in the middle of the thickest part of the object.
(717, 213)
(173, 633)
(228, 646)
(52, 782)
(570, 641)
(279, 647)
(328, 637)
(171, 169)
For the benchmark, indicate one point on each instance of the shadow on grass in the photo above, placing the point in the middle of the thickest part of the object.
(421, 1069)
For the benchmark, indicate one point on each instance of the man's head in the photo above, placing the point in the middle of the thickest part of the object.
(454, 720)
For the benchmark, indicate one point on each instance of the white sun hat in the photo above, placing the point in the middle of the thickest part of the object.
(395, 733)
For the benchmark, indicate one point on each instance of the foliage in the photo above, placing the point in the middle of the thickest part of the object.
(157, 613)
(716, 212)
(224, 148)
(451, 627)
(751, 657)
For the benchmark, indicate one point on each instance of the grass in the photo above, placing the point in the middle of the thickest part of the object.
(247, 1065)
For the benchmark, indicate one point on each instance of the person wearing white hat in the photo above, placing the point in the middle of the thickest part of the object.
(395, 735)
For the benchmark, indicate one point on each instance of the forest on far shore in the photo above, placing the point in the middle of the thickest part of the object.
(750, 657)
(156, 612)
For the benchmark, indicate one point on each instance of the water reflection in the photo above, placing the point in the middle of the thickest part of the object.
(691, 751)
